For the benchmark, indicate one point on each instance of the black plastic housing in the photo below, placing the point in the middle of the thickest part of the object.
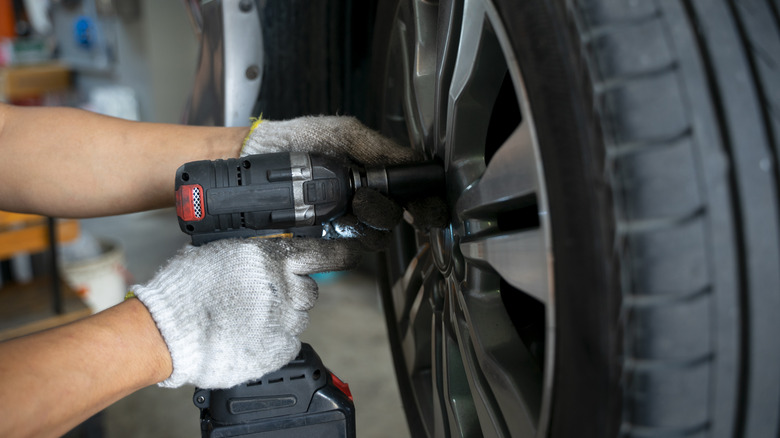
(256, 196)
(299, 400)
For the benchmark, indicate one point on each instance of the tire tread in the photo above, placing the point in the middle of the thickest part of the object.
(655, 172)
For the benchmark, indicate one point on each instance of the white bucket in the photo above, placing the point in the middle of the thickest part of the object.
(100, 280)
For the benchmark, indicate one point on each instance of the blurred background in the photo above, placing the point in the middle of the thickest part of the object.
(140, 60)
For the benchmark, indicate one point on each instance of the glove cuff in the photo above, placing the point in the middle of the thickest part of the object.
(255, 123)
(326, 135)
(182, 341)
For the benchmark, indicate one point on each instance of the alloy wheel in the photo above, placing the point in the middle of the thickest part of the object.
(471, 306)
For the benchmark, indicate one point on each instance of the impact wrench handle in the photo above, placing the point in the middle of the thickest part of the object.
(285, 193)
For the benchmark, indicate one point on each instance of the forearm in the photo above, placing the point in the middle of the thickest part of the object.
(98, 361)
(73, 163)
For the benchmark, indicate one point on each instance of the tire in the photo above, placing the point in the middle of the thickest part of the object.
(613, 263)
(312, 60)
(319, 70)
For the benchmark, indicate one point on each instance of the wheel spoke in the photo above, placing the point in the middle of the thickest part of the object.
(461, 413)
(503, 370)
(402, 31)
(407, 288)
(485, 405)
(423, 73)
(476, 80)
(439, 376)
(509, 182)
(415, 33)
(447, 44)
(417, 340)
(469, 48)
(520, 258)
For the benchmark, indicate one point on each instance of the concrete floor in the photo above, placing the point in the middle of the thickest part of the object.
(347, 329)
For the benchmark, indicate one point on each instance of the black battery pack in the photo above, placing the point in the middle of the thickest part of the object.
(303, 399)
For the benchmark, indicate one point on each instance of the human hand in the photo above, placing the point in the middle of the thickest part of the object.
(336, 136)
(373, 215)
(232, 310)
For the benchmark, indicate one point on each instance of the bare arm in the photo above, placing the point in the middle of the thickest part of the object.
(73, 163)
(56, 379)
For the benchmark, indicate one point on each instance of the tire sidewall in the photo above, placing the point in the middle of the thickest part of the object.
(586, 398)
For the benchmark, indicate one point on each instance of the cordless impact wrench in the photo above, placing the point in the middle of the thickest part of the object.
(286, 194)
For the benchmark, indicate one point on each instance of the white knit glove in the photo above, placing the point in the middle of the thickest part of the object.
(336, 136)
(231, 311)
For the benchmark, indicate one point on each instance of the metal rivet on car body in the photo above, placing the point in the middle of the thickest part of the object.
(245, 5)
(252, 72)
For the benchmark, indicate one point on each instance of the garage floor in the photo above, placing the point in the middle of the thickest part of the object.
(347, 330)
